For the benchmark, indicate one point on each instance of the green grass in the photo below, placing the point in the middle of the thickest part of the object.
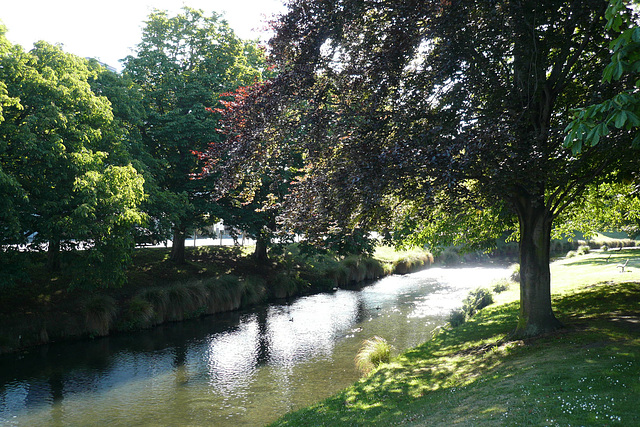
(587, 373)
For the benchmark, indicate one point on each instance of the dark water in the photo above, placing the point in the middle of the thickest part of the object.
(229, 370)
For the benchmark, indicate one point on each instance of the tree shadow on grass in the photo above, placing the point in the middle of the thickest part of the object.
(612, 257)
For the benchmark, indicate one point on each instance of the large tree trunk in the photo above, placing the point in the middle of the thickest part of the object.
(260, 254)
(177, 248)
(536, 314)
(53, 256)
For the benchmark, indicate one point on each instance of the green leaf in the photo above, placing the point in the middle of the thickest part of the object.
(621, 118)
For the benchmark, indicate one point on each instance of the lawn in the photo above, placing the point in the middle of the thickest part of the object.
(587, 373)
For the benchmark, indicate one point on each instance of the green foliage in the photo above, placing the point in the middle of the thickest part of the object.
(457, 317)
(182, 65)
(373, 353)
(99, 311)
(583, 250)
(622, 111)
(476, 300)
(515, 272)
(500, 285)
(571, 254)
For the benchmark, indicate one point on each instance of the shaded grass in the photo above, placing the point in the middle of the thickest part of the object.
(585, 374)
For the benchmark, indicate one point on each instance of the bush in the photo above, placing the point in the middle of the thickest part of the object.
(457, 317)
(373, 353)
(99, 311)
(515, 273)
(571, 254)
(501, 285)
(449, 256)
(477, 300)
(583, 249)
(604, 248)
(357, 270)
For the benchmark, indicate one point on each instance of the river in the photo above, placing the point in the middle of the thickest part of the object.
(235, 369)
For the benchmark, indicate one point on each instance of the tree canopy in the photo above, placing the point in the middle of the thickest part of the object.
(65, 188)
(182, 64)
(436, 112)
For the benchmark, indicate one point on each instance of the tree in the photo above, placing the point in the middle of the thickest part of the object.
(414, 112)
(181, 65)
(621, 111)
(69, 191)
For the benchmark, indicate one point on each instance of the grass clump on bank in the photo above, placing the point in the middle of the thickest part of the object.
(476, 375)
(373, 353)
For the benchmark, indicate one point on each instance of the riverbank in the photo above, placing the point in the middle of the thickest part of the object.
(584, 374)
(215, 279)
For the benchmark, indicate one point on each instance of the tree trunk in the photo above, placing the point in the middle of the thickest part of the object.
(53, 256)
(260, 254)
(177, 248)
(536, 314)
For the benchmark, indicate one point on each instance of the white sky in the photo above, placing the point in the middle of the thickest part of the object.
(109, 29)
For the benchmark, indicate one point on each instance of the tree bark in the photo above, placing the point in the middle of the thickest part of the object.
(536, 314)
(260, 254)
(53, 256)
(177, 248)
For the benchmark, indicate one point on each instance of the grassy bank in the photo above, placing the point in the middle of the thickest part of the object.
(585, 374)
(215, 279)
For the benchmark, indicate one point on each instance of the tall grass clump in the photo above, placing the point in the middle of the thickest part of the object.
(159, 299)
(583, 250)
(373, 268)
(374, 352)
(357, 270)
(477, 300)
(180, 302)
(221, 292)
(253, 290)
(138, 313)
(284, 285)
(338, 274)
(99, 312)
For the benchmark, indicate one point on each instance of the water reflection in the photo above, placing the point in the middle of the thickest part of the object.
(236, 369)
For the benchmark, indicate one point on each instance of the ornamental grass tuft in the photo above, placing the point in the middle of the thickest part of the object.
(374, 352)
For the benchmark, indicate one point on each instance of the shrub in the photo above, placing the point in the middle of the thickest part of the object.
(284, 285)
(403, 266)
(221, 294)
(357, 270)
(138, 313)
(374, 352)
(604, 248)
(515, 272)
(449, 256)
(254, 290)
(457, 317)
(571, 254)
(373, 268)
(99, 311)
(339, 274)
(159, 299)
(500, 285)
(476, 301)
(583, 250)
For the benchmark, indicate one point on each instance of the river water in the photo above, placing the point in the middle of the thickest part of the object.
(236, 369)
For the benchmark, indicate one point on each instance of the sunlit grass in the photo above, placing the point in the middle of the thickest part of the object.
(477, 375)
